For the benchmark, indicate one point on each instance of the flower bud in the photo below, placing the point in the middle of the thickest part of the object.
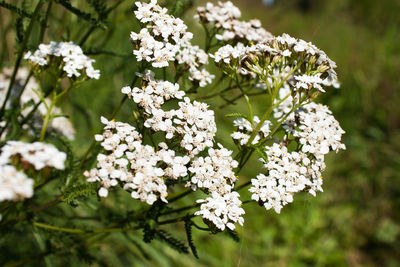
(267, 61)
(323, 68)
(275, 44)
(312, 60)
(276, 59)
(248, 65)
(253, 58)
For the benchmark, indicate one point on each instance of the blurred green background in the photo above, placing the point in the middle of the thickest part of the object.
(355, 222)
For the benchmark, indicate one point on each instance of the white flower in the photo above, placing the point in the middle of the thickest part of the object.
(14, 185)
(74, 62)
(214, 172)
(38, 154)
(154, 93)
(227, 53)
(222, 210)
(245, 129)
(318, 131)
(136, 167)
(307, 82)
(287, 173)
(287, 53)
(224, 17)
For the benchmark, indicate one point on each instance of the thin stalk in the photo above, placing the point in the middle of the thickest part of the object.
(93, 28)
(20, 55)
(179, 196)
(242, 186)
(80, 231)
(181, 209)
(35, 211)
(269, 110)
(59, 229)
(179, 219)
(47, 118)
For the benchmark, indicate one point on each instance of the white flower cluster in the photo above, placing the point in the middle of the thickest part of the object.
(288, 173)
(16, 185)
(307, 81)
(164, 38)
(229, 53)
(38, 154)
(193, 123)
(245, 129)
(144, 170)
(318, 131)
(135, 166)
(214, 172)
(59, 124)
(153, 93)
(74, 61)
(289, 52)
(222, 210)
(224, 16)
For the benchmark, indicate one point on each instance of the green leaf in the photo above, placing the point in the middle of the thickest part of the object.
(174, 243)
(188, 229)
(83, 15)
(77, 191)
(261, 152)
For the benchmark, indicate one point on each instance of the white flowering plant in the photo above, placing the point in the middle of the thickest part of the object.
(165, 154)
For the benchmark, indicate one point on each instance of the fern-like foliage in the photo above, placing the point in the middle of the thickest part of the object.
(83, 15)
(188, 229)
(173, 242)
(15, 9)
(148, 233)
(261, 153)
(100, 7)
(19, 26)
(234, 235)
(179, 7)
(77, 191)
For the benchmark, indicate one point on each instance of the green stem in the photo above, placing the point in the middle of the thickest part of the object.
(54, 100)
(59, 229)
(179, 196)
(47, 118)
(269, 110)
(34, 211)
(179, 219)
(181, 209)
(20, 55)
(242, 186)
(80, 231)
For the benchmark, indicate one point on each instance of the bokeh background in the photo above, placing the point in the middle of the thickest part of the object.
(355, 222)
